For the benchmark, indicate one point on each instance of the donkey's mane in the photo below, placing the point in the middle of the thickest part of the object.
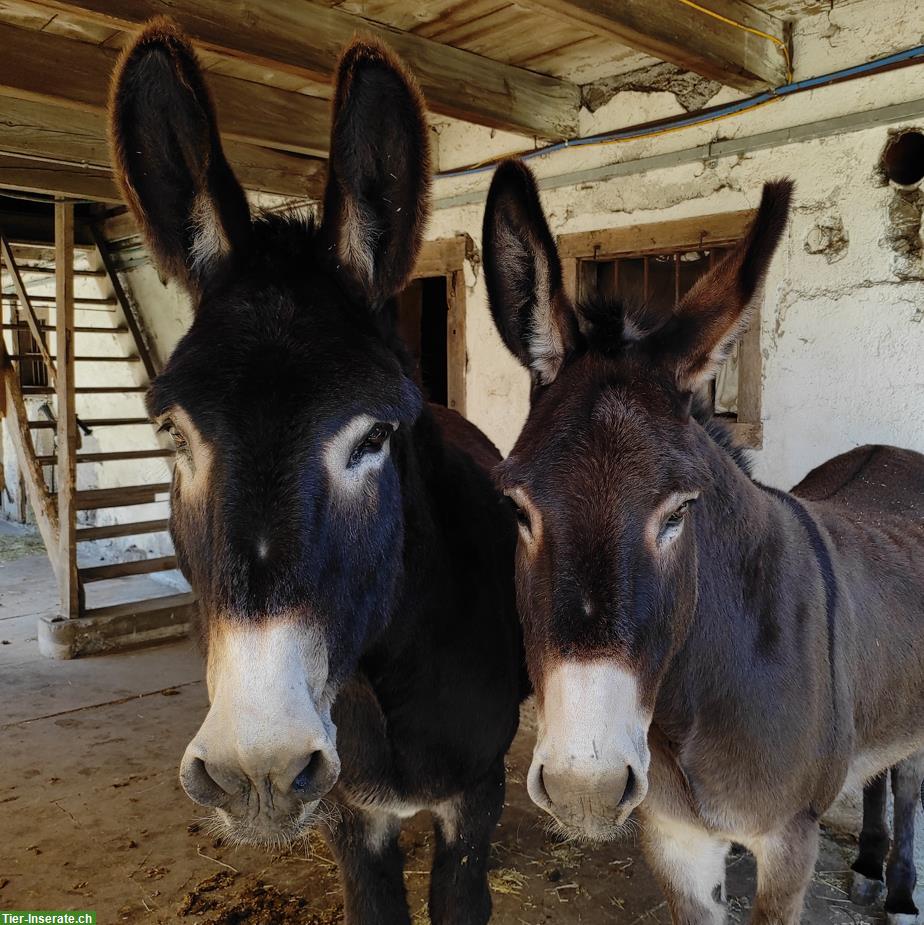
(287, 233)
(616, 327)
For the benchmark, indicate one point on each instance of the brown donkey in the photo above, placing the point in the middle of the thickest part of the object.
(353, 560)
(721, 656)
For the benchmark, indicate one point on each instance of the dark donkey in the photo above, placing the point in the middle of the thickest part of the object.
(353, 561)
(719, 655)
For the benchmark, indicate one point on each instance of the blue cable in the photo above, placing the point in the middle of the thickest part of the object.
(698, 118)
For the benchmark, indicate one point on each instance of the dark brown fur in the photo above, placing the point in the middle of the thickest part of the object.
(777, 639)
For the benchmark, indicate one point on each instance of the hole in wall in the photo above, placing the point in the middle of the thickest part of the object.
(903, 158)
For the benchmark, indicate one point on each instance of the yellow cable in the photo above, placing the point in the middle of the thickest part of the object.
(739, 25)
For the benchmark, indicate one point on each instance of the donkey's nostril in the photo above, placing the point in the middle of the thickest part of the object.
(302, 782)
(199, 785)
(630, 788)
(316, 777)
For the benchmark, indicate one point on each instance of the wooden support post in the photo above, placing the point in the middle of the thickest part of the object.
(456, 353)
(68, 582)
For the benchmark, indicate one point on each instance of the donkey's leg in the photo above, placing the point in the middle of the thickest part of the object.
(785, 862)
(901, 875)
(867, 869)
(459, 893)
(371, 867)
(689, 864)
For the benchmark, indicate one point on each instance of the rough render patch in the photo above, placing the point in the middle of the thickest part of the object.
(691, 90)
(828, 237)
(903, 233)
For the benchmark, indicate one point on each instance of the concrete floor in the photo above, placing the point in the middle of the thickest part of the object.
(92, 815)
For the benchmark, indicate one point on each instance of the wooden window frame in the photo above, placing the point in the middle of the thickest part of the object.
(445, 258)
(656, 238)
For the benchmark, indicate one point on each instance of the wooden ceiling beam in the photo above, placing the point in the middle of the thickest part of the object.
(60, 136)
(722, 49)
(69, 180)
(248, 112)
(306, 39)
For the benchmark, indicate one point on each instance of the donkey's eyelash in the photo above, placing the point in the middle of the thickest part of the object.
(165, 426)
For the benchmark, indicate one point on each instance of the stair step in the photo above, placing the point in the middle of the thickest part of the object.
(108, 457)
(91, 422)
(50, 299)
(99, 359)
(124, 496)
(121, 569)
(50, 271)
(110, 531)
(167, 602)
(78, 329)
(118, 626)
(93, 390)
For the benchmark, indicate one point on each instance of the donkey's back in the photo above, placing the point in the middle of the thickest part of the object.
(873, 481)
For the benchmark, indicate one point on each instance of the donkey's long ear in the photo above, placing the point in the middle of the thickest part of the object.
(533, 314)
(715, 312)
(168, 156)
(377, 199)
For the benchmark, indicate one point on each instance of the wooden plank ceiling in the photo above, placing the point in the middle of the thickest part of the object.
(517, 66)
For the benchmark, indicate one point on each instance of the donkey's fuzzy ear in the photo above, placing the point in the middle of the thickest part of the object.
(532, 313)
(377, 198)
(711, 317)
(170, 165)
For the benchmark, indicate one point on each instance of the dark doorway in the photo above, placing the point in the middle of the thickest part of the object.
(421, 315)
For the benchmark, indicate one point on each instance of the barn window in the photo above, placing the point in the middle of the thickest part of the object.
(657, 264)
(430, 316)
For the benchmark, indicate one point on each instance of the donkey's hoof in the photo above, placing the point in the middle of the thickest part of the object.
(901, 918)
(864, 891)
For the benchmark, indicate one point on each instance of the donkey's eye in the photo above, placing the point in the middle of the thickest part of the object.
(673, 524)
(179, 441)
(373, 441)
(521, 514)
(676, 519)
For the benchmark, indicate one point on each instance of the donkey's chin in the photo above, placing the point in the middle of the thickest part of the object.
(593, 830)
(264, 833)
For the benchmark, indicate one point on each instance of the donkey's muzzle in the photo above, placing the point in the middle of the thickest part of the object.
(592, 802)
(590, 763)
(261, 794)
(266, 752)
(222, 784)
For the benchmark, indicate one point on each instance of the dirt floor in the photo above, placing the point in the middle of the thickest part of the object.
(92, 815)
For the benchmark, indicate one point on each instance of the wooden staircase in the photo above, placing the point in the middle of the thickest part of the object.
(39, 358)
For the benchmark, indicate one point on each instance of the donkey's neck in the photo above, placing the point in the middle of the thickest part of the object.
(764, 616)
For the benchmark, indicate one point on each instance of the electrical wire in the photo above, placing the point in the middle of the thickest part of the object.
(703, 117)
